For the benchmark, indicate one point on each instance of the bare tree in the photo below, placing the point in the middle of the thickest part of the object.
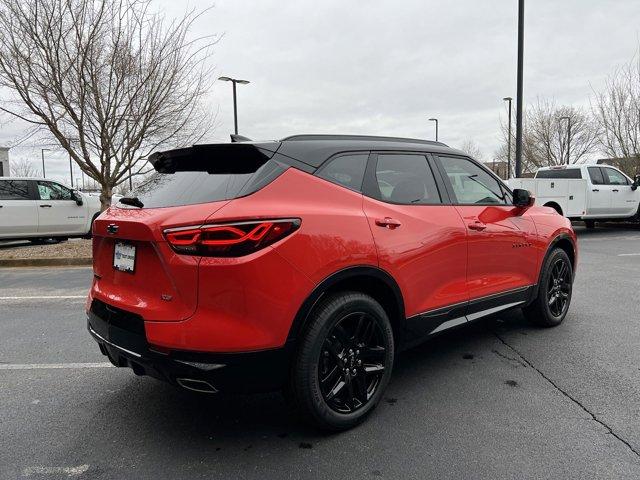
(107, 79)
(546, 140)
(617, 112)
(23, 168)
(472, 149)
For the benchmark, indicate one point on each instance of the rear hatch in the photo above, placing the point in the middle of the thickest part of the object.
(134, 267)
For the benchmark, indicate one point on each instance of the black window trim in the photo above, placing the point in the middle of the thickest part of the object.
(330, 160)
(596, 167)
(37, 190)
(454, 200)
(370, 185)
(607, 180)
(31, 189)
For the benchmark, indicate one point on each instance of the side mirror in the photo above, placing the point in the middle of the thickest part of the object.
(522, 198)
(77, 197)
(636, 182)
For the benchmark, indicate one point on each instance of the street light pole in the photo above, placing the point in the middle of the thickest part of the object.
(234, 81)
(435, 120)
(568, 119)
(519, 88)
(509, 100)
(42, 150)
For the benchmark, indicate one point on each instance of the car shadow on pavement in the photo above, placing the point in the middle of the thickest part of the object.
(169, 414)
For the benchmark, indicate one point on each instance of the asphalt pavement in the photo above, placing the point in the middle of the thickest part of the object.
(497, 400)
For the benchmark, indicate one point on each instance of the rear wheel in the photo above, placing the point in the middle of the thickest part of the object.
(554, 291)
(344, 361)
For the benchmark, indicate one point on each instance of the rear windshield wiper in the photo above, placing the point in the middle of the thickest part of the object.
(133, 201)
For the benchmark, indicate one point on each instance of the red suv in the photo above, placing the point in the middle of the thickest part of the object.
(307, 264)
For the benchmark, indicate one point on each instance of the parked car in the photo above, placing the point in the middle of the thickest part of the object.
(585, 192)
(37, 209)
(307, 264)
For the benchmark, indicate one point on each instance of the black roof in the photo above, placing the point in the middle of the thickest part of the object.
(315, 149)
(311, 150)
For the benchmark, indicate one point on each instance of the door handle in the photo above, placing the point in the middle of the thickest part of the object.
(595, 190)
(388, 222)
(615, 190)
(46, 205)
(477, 225)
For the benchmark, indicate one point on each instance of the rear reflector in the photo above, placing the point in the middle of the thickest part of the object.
(229, 239)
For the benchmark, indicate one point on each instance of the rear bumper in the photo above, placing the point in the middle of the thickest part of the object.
(126, 346)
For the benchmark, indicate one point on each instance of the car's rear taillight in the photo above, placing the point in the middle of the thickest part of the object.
(229, 239)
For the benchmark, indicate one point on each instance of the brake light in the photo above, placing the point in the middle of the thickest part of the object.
(229, 239)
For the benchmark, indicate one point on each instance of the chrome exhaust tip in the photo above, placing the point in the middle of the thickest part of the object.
(194, 385)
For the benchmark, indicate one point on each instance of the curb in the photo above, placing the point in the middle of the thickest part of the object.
(45, 262)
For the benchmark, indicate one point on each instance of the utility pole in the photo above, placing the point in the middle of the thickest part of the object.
(234, 81)
(435, 120)
(509, 100)
(519, 88)
(42, 150)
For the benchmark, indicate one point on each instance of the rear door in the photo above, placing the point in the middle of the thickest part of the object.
(58, 212)
(18, 210)
(624, 201)
(599, 203)
(501, 259)
(421, 240)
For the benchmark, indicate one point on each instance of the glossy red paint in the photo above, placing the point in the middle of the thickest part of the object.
(439, 255)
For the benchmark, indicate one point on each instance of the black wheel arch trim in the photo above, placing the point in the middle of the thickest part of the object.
(551, 248)
(325, 285)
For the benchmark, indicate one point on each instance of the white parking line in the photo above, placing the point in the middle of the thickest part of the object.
(47, 366)
(629, 255)
(46, 297)
(68, 471)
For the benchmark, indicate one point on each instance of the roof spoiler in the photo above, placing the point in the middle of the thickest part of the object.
(218, 158)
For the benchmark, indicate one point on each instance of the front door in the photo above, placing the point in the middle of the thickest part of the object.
(58, 212)
(624, 201)
(420, 241)
(502, 259)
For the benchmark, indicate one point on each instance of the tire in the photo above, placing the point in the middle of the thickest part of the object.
(550, 306)
(590, 224)
(347, 332)
(89, 234)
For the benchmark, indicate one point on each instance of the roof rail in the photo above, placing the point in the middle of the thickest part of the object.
(296, 138)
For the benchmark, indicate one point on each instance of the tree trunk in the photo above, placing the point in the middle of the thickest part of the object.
(105, 197)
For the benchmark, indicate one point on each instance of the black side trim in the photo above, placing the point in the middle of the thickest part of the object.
(361, 271)
(419, 327)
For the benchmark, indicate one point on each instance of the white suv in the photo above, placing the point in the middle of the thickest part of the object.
(35, 209)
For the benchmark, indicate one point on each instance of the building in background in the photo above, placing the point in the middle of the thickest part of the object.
(498, 167)
(4, 162)
(629, 165)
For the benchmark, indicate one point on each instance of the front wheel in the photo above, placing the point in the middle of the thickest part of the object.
(344, 361)
(554, 291)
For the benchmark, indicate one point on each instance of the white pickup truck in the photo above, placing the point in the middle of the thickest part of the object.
(585, 192)
(37, 209)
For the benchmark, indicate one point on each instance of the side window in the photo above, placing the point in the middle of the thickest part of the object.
(615, 177)
(346, 170)
(53, 191)
(406, 179)
(596, 175)
(14, 190)
(471, 184)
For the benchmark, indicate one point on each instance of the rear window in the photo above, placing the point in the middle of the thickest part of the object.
(14, 190)
(192, 187)
(560, 173)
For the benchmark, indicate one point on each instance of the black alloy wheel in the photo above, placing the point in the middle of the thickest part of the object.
(343, 361)
(559, 287)
(352, 362)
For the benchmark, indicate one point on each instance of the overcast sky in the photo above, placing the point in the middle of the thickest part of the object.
(383, 67)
